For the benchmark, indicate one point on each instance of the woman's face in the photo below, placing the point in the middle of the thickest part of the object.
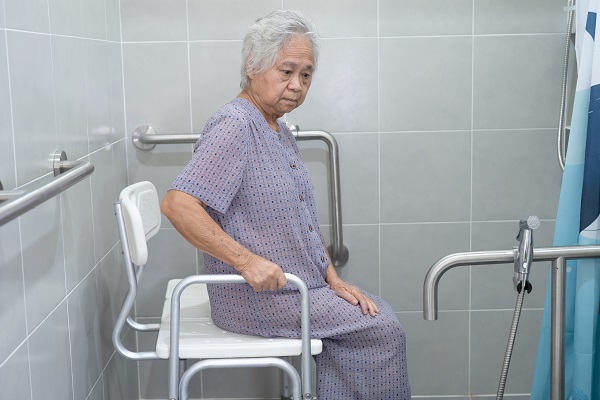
(283, 87)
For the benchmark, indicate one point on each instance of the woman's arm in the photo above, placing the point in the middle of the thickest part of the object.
(189, 217)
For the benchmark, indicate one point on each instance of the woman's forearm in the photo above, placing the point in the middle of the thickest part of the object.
(188, 216)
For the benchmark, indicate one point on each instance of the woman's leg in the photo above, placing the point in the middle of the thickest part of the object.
(363, 358)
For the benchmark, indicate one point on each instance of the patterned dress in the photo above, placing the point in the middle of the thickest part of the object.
(256, 188)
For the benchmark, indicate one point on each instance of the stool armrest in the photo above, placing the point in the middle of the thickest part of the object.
(175, 316)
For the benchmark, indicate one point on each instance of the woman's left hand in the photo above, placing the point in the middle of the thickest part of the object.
(355, 296)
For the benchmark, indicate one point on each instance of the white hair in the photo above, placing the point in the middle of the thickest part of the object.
(266, 37)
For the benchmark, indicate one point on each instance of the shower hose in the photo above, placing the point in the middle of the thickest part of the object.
(511, 339)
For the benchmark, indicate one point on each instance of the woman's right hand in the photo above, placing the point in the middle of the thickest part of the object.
(262, 274)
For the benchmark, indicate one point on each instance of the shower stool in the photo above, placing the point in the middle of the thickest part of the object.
(186, 313)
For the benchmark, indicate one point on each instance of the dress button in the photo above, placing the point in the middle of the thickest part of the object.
(310, 228)
(301, 197)
(293, 165)
(279, 136)
(322, 258)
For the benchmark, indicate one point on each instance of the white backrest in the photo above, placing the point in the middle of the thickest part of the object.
(141, 215)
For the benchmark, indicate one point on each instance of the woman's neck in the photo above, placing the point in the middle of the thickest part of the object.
(270, 118)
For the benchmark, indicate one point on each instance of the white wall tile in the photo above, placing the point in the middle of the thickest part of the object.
(32, 91)
(437, 353)
(14, 375)
(517, 81)
(490, 331)
(65, 17)
(157, 86)
(339, 18)
(425, 83)
(12, 295)
(43, 261)
(425, 17)
(7, 159)
(153, 20)
(84, 323)
(219, 20)
(27, 15)
(78, 231)
(425, 176)
(359, 177)
(93, 19)
(514, 16)
(50, 357)
(97, 94)
(113, 20)
(68, 61)
(515, 174)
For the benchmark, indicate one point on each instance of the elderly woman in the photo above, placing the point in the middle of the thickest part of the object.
(246, 200)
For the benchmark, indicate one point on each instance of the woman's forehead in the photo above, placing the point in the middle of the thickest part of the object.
(297, 52)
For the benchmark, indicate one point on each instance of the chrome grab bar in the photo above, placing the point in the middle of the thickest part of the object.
(14, 203)
(145, 138)
(558, 257)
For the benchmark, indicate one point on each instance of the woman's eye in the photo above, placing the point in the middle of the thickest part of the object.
(286, 72)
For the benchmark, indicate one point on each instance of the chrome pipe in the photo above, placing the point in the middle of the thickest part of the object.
(430, 286)
(20, 203)
(561, 140)
(558, 256)
(557, 336)
(145, 138)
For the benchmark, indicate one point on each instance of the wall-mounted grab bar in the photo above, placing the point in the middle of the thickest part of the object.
(14, 203)
(558, 256)
(145, 138)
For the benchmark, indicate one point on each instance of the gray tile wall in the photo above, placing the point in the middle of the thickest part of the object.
(61, 88)
(445, 113)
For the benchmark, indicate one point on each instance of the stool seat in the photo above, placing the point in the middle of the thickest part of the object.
(200, 338)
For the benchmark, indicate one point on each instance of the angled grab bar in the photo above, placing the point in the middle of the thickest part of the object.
(145, 138)
(557, 255)
(14, 203)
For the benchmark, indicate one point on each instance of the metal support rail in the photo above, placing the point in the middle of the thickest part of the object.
(14, 203)
(145, 138)
(557, 255)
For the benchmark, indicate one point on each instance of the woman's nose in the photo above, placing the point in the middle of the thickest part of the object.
(294, 82)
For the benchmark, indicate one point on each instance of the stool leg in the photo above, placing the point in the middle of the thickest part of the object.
(182, 367)
(286, 391)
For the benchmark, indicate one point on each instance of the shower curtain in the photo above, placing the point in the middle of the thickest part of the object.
(577, 223)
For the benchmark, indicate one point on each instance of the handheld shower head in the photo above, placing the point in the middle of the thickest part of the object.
(524, 255)
(533, 222)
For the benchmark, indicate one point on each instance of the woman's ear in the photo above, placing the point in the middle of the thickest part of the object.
(249, 73)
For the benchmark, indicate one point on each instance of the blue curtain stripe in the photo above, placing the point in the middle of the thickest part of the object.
(590, 197)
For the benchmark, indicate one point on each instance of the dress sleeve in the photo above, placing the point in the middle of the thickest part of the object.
(216, 170)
